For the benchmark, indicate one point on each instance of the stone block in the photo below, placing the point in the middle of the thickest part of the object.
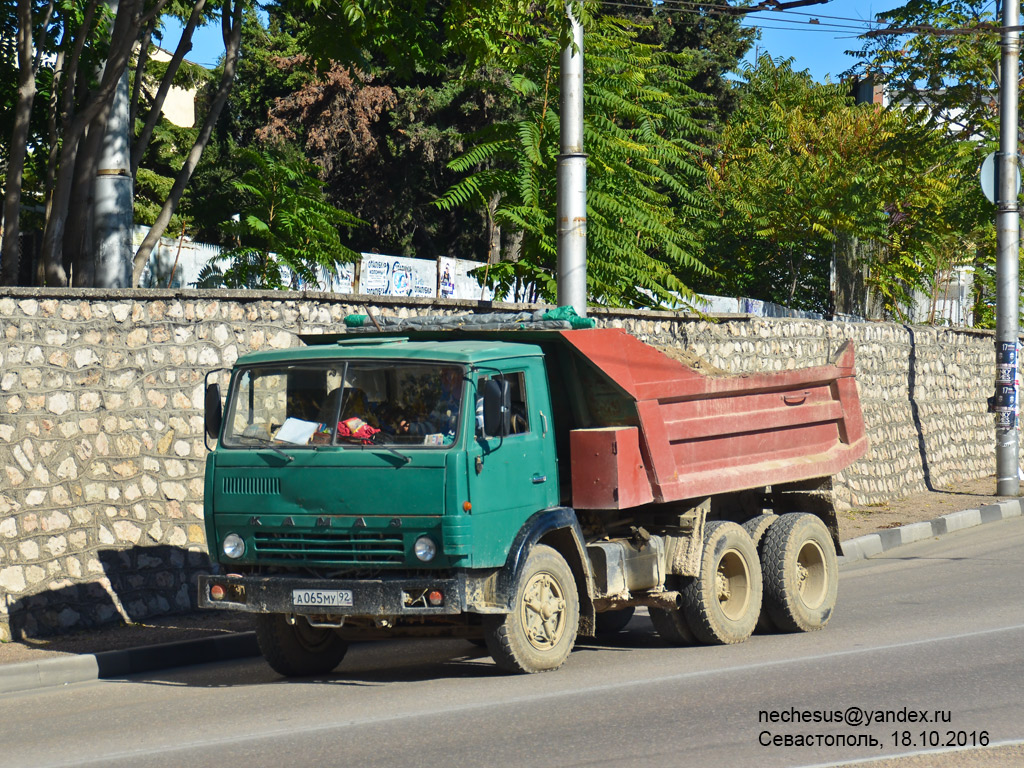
(174, 491)
(12, 579)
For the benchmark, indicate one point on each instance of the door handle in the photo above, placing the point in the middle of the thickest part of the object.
(538, 479)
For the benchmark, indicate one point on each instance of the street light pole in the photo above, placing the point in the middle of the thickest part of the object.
(1008, 254)
(572, 178)
(113, 190)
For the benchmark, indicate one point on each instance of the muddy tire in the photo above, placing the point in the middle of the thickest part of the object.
(298, 650)
(801, 573)
(723, 602)
(613, 622)
(540, 631)
(757, 527)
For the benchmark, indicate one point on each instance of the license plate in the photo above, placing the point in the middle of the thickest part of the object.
(324, 598)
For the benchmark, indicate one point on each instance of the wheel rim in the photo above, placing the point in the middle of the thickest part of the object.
(543, 611)
(811, 574)
(732, 582)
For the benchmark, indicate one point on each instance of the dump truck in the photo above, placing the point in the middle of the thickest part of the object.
(519, 486)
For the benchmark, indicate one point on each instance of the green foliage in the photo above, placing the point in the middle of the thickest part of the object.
(799, 164)
(153, 181)
(937, 217)
(287, 234)
(796, 163)
(713, 42)
(641, 168)
(949, 83)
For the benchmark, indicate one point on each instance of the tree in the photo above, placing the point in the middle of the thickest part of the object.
(796, 163)
(231, 28)
(800, 170)
(940, 63)
(287, 234)
(80, 49)
(950, 73)
(714, 43)
(641, 169)
(29, 55)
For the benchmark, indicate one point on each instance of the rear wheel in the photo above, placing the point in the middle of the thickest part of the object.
(801, 573)
(757, 527)
(540, 631)
(298, 650)
(723, 602)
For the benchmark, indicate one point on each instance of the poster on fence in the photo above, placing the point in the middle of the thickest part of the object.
(396, 276)
(343, 281)
(456, 282)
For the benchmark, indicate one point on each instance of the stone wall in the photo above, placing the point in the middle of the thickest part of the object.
(101, 429)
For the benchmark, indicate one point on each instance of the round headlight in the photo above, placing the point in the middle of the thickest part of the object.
(233, 546)
(425, 549)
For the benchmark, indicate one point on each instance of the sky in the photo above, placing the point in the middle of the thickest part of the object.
(816, 36)
(817, 46)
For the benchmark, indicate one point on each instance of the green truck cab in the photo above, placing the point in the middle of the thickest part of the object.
(509, 487)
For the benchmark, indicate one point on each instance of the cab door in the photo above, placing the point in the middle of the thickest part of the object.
(512, 476)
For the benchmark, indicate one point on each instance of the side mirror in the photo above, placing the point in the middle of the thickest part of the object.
(497, 396)
(213, 414)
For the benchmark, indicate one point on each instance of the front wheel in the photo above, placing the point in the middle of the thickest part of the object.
(540, 631)
(298, 649)
(801, 573)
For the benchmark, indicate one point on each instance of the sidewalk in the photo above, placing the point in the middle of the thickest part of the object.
(39, 667)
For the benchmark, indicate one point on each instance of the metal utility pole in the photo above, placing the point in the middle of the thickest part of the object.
(572, 178)
(1008, 245)
(113, 190)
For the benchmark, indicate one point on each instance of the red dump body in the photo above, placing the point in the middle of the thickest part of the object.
(699, 434)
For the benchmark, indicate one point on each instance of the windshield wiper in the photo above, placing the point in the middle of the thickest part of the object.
(263, 443)
(279, 452)
(375, 444)
(405, 458)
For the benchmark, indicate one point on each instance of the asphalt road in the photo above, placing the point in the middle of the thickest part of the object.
(936, 628)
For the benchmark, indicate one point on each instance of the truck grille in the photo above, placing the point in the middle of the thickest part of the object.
(329, 548)
(252, 485)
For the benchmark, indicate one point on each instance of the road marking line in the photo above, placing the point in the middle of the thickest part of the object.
(455, 709)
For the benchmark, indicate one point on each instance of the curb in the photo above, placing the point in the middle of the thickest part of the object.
(96, 666)
(875, 543)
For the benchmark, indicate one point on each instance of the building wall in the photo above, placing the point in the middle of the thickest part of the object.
(101, 428)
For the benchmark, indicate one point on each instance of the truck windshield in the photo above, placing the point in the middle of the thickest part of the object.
(346, 403)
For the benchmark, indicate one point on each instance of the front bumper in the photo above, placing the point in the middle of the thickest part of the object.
(385, 596)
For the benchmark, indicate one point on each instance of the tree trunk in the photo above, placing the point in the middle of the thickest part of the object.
(231, 28)
(78, 241)
(140, 68)
(493, 230)
(10, 247)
